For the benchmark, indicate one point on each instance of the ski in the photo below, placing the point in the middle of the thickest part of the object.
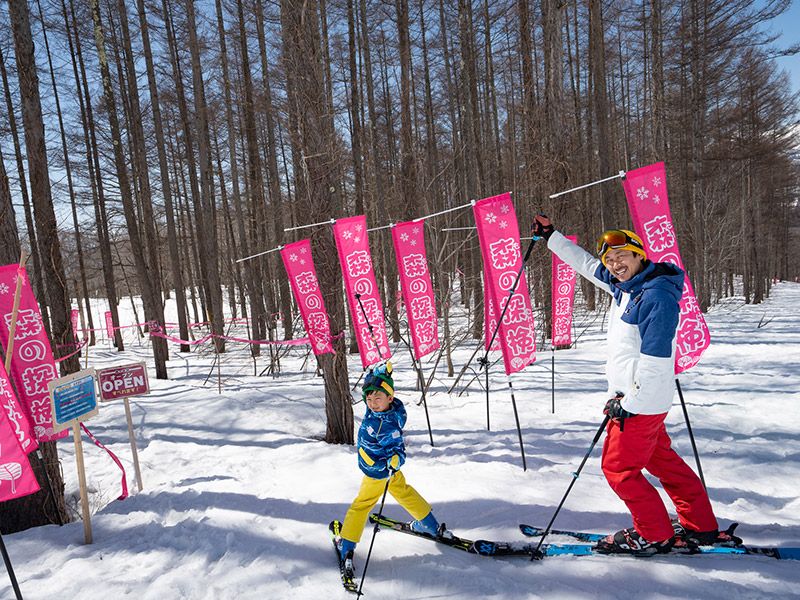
(345, 573)
(787, 553)
(480, 547)
(583, 536)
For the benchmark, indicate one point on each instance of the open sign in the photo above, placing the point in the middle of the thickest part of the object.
(123, 382)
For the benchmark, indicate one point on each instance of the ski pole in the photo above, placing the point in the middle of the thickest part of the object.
(369, 325)
(575, 476)
(691, 435)
(374, 532)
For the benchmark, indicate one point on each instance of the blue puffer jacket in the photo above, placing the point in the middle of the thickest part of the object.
(642, 327)
(379, 438)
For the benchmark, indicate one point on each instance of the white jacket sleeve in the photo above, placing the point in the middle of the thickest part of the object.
(577, 258)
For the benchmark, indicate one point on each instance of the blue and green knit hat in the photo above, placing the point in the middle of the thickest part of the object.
(379, 377)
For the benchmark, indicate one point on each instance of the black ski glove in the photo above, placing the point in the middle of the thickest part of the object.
(615, 411)
(542, 227)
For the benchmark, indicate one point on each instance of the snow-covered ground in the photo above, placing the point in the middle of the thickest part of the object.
(239, 489)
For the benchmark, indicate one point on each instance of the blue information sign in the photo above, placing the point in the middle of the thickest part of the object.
(74, 399)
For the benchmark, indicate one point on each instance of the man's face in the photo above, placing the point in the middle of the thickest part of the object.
(378, 401)
(624, 264)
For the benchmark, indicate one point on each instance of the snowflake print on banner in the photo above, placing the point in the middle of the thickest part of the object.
(3, 288)
(415, 284)
(653, 223)
(305, 287)
(502, 262)
(352, 247)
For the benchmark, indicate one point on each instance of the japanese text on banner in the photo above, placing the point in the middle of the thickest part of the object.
(32, 364)
(563, 299)
(646, 191)
(498, 232)
(415, 282)
(359, 279)
(305, 287)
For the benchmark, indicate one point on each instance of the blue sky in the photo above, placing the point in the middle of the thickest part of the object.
(789, 25)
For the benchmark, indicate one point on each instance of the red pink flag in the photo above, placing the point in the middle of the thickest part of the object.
(16, 475)
(305, 287)
(489, 315)
(359, 279)
(646, 190)
(498, 233)
(563, 299)
(32, 364)
(415, 283)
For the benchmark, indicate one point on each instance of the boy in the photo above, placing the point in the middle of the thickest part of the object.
(381, 453)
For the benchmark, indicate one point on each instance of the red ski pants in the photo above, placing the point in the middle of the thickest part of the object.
(644, 444)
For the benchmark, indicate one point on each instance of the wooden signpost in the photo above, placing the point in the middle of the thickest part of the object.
(124, 382)
(74, 400)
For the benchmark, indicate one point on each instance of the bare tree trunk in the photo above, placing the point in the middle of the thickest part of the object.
(166, 186)
(31, 510)
(68, 170)
(277, 216)
(39, 291)
(95, 177)
(315, 171)
(204, 209)
(150, 301)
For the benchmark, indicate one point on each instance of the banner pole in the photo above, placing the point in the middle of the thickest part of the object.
(519, 430)
(424, 401)
(87, 518)
(553, 379)
(10, 569)
(133, 445)
(13, 325)
(617, 176)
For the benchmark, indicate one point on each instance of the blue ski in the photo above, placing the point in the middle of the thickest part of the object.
(481, 547)
(787, 553)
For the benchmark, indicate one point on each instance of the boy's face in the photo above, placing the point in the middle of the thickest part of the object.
(378, 401)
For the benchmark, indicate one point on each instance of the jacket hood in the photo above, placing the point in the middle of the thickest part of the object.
(661, 276)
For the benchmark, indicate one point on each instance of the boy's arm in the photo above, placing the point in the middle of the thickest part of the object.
(580, 260)
(391, 440)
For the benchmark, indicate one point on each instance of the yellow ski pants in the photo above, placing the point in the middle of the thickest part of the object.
(369, 495)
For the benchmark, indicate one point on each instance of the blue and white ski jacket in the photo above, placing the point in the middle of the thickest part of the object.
(642, 327)
(379, 438)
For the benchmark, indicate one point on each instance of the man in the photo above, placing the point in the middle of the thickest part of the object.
(642, 331)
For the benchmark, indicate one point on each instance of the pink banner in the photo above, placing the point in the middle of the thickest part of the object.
(109, 325)
(74, 317)
(359, 278)
(563, 299)
(646, 190)
(32, 364)
(16, 475)
(415, 283)
(489, 315)
(498, 232)
(305, 287)
(16, 416)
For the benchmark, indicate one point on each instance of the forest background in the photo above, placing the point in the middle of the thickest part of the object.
(148, 145)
